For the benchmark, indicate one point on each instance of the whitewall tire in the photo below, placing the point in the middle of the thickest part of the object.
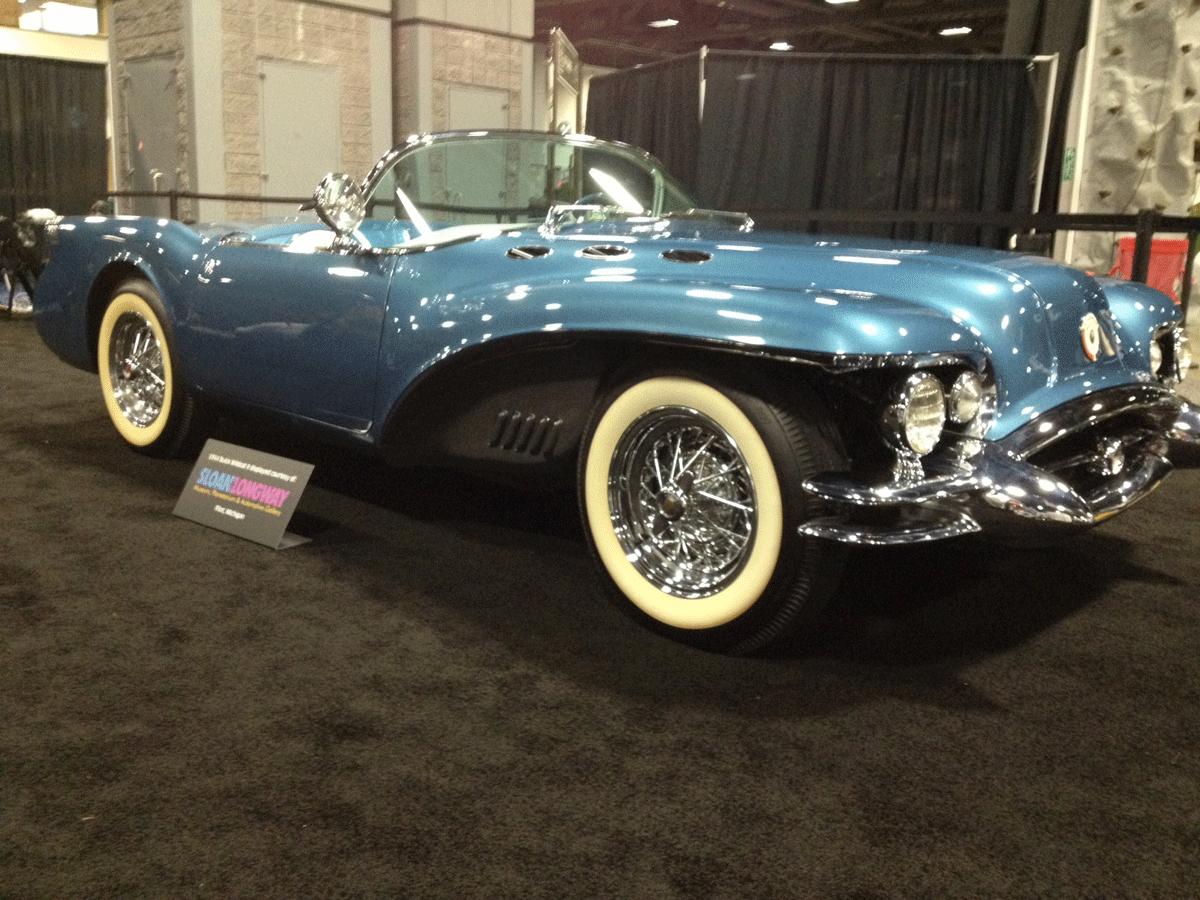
(691, 496)
(146, 403)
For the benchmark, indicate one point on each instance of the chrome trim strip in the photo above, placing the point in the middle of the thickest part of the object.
(1159, 403)
(936, 528)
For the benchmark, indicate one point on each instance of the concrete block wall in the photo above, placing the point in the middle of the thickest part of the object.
(465, 43)
(1143, 118)
(10, 13)
(247, 32)
(284, 30)
(150, 28)
(218, 47)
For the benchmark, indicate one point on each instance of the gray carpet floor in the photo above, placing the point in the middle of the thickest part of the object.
(431, 699)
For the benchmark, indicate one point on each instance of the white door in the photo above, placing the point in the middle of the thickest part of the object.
(477, 109)
(301, 127)
(151, 100)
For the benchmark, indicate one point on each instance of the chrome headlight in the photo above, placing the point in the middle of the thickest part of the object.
(966, 398)
(914, 420)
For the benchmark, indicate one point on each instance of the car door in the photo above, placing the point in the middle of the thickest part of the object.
(295, 331)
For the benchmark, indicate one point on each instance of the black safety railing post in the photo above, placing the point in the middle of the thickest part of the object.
(1185, 289)
(174, 205)
(1147, 220)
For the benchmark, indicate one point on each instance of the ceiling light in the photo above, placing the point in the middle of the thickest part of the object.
(782, 45)
(955, 32)
(664, 23)
(837, 2)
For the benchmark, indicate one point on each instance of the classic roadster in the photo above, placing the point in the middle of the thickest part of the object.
(735, 407)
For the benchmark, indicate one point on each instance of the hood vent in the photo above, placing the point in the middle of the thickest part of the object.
(605, 251)
(686, 256)
(528, 252)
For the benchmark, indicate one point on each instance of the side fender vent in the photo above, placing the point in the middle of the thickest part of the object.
(526, 433)
(686, 256)
(605, 251)
(536, 252)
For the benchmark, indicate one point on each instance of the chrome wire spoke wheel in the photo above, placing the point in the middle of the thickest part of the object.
(135, 354)
(691, 491)
(136, 371)
(682, 502)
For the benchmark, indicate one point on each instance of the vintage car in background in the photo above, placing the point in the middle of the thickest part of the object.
(22, 255)
(735, 407)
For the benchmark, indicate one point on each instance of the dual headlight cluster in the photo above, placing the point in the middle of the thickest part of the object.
(1170, 355)
(923, 406)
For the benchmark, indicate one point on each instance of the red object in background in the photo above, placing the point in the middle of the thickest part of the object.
(1167, 261)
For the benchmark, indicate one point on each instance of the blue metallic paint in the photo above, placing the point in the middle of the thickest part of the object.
(244, 329)
(264, 316)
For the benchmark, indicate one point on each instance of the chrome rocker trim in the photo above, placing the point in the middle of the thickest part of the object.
(992, 487)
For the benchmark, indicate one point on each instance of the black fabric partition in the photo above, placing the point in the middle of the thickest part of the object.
(655, 107)
(784, 135)
(1045, 27)
(53, 148)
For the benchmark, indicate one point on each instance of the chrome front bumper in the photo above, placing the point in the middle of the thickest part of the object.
(1066, 470)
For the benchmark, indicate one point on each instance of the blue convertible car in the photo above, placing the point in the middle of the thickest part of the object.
(735, 407)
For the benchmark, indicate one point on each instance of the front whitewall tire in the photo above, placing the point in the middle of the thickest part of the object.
(691, 492)
(731, 601)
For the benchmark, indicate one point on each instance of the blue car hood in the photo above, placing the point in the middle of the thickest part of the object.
(844, 297)
(855, 296)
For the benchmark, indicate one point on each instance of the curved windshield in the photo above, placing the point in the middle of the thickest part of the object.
(462, 186)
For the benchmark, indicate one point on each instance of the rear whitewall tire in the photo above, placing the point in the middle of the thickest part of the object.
(135, 356)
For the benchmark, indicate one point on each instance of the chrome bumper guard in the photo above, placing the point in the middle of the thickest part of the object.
(992, 487)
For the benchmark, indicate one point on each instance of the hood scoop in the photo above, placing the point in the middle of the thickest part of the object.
(605, 251)
(686, 256)
(531, 252)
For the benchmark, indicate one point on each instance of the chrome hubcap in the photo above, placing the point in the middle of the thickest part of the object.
(682, 501)
(136, 371)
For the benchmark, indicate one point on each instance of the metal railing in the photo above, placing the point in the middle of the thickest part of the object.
(173, 198)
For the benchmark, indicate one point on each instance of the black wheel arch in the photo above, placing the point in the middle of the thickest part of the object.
(465, 409)
(104, 288)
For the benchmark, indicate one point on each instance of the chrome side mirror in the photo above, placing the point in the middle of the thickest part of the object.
(339, 203)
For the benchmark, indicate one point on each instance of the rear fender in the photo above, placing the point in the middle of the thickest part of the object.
(89, 258)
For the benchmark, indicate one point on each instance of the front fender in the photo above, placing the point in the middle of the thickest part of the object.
(806, 323)
(1138, 311)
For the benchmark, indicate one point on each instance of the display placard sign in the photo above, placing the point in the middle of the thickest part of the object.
(245, 492)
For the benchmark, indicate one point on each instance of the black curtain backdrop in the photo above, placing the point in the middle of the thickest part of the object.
(53, 149)
(655, 107)
(1037, 27)
(783, 135)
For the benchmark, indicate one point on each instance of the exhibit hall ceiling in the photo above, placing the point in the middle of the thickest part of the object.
(621, 34)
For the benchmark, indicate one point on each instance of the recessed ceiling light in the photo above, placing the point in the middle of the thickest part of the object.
(837, 2)
(664, 23)
(955, 32)
(782, 45)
